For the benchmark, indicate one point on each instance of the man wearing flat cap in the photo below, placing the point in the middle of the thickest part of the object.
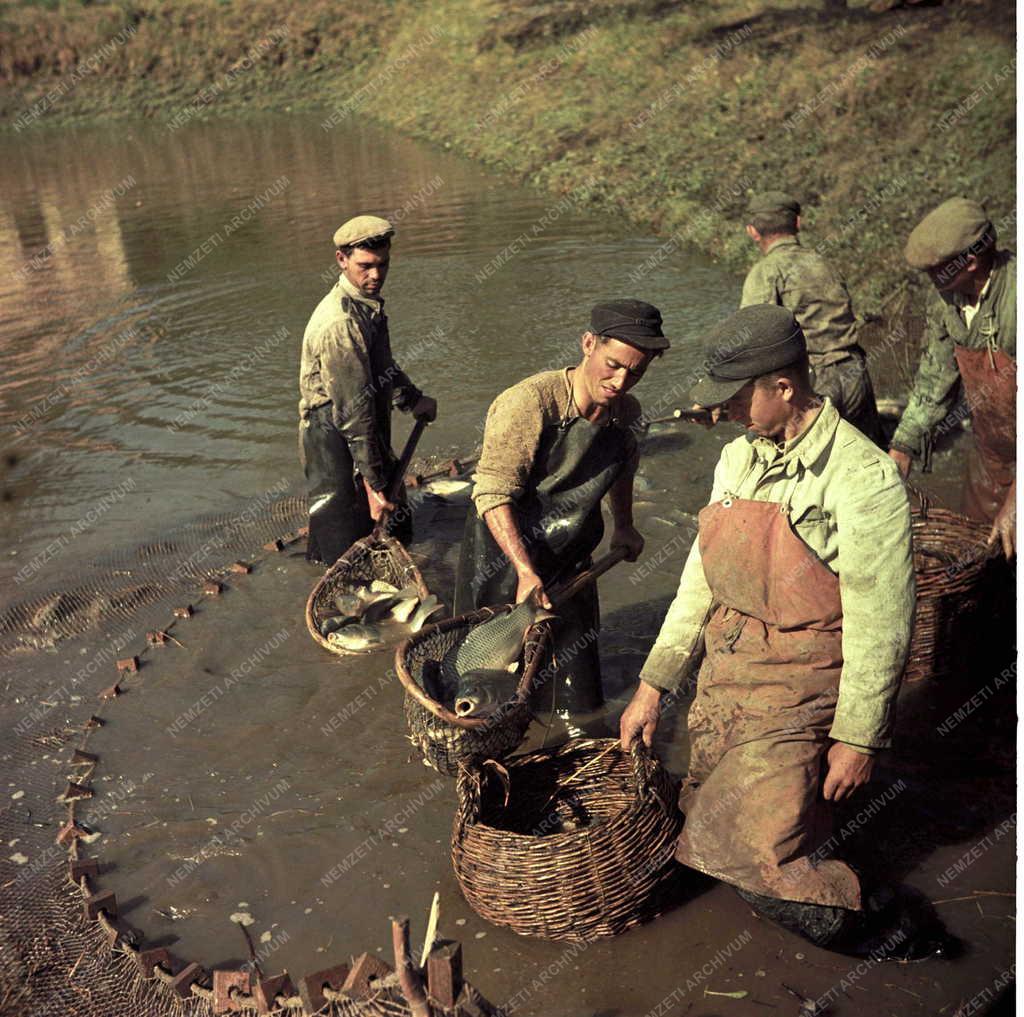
(799, 590)
(554, 446)
(348, 381)
(971, 345)
(802, 281)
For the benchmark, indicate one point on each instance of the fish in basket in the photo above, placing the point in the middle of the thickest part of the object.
(953, 566)
(446, 739)
(373, 595)
(468, 681)
(573, 843)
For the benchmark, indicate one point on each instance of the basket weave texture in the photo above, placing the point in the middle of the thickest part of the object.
(448, 742)
(581, 861)
(378, 556)
(951, 560)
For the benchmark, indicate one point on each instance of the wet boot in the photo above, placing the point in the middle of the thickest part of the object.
(894, 925)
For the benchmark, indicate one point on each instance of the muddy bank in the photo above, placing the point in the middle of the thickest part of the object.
(667, 113)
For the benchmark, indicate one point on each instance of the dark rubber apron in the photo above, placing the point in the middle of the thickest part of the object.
(990, 388)
(561, 524)
(339, 513)
(766, 698)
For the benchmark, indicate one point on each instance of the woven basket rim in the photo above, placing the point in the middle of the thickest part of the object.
(595, 745)
(975, 536)
(364, 545)
(471, 618)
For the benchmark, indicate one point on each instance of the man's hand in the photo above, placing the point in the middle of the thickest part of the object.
(902, 460)
(848, 770)
(529, 580)
(425, 408)
(1004, 529)
(378, 502)
(641, 716)
(629, 538)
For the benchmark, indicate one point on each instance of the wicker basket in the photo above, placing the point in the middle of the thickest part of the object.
(377, 556)
(445, 740)
(519, 867)
(950, 559)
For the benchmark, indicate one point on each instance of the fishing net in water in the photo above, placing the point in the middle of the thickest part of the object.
(64, 949)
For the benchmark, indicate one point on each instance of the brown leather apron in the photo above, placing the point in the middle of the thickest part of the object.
(990, 388)
(766, 698)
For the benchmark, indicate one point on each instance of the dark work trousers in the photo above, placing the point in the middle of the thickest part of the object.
(848, 385)
(339, 513)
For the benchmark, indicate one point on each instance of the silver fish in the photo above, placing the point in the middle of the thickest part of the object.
(358, 637)
(494, 645)
(481, 693)
(427, 609)
(402, 611)
(330, 625)
(380, 586)
(349, 604)
(378, 606)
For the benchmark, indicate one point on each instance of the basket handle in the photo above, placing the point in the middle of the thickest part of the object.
(643, 765)
(467, 789)
(923, 500)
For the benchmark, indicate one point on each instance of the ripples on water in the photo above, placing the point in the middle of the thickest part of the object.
(119, 363)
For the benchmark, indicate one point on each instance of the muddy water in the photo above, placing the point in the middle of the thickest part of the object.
(155, 287)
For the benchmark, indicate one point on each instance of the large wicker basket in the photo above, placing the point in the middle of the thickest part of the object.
(447, 741)
(950, 563)
(377, 556)
(521, 863)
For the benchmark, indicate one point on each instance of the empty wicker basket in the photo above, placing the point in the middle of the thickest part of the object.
(950, 562)
(576, 843)
(446, 740)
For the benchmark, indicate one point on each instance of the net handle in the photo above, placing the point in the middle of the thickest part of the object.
(564, 591)
(398, 480)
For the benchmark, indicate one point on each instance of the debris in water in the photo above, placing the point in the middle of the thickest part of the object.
(242, 918)
(18, 858)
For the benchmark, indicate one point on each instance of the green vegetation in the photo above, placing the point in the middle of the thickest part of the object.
(669, 112)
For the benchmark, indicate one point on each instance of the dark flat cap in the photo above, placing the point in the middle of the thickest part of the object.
(767, 202)
(360, 229)
(952, 228)
(629, 321)
(753, 341)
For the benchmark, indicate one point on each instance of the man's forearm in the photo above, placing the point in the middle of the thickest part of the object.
(504, 527)
(620, 497)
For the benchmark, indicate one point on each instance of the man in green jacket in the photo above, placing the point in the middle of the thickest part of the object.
(971, 343)
(802, 281)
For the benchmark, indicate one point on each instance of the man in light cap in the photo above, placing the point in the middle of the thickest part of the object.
(971, 339)
(348, 381)
(802, 281)
(554, 446)
(800, 590)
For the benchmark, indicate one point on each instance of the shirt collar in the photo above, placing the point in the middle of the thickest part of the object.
(806, 448)
(374, 303)
(787, 241)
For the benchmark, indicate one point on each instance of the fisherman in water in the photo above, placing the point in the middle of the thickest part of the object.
(800, 589)
(972, 340)
(348, 381)
(554, 445)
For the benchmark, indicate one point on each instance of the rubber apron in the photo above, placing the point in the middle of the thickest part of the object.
(766, 697)
(990, 389)
(560, 521)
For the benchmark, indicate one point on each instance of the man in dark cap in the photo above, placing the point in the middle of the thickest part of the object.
(971, 343)
(554, 446)
(802, 281)
(348, 381)
(800, 589)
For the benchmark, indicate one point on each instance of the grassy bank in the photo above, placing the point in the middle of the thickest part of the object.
(670, 112)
